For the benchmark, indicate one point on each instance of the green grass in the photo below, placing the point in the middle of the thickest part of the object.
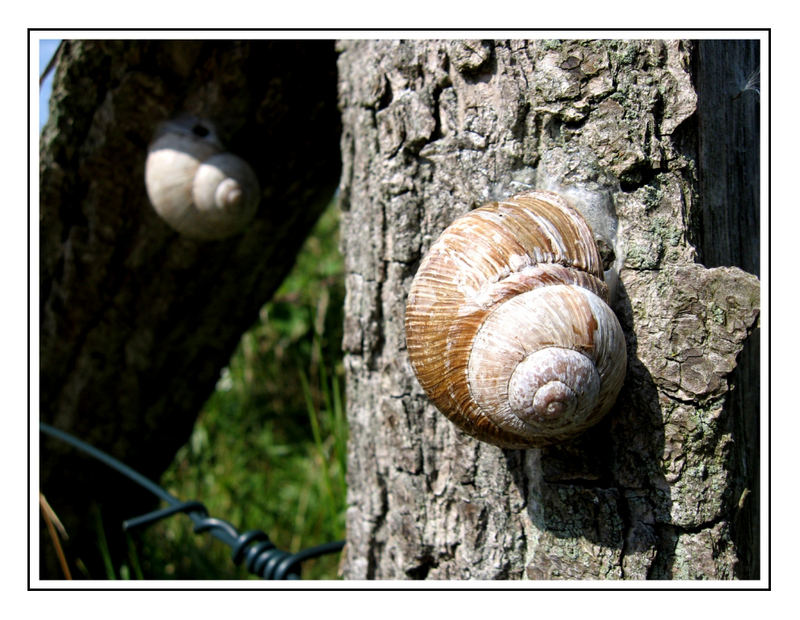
(268, 450)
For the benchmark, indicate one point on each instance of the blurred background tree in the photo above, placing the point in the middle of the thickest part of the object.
(138, 322)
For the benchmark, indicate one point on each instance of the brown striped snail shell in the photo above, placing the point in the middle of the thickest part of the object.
(507, 324)
(195, 186)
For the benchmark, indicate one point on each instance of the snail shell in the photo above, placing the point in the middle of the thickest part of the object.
(195, 186)
(507, 324)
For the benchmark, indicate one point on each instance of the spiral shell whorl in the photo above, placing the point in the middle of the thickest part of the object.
(538, 391)
(199, 190)
(561, 339)
(509, 291)
(226, 188)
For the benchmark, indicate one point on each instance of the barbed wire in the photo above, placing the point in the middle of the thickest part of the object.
(260, 555)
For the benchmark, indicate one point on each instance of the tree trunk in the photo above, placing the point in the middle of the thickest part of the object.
(137, 320)
(433, 129)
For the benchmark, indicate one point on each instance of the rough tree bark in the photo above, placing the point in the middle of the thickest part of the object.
(432, 129)
(137, 321)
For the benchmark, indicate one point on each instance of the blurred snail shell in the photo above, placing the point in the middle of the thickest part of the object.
(507, 324)
(195, 186)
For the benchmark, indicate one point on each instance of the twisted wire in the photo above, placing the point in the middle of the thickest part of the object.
(260, 555)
